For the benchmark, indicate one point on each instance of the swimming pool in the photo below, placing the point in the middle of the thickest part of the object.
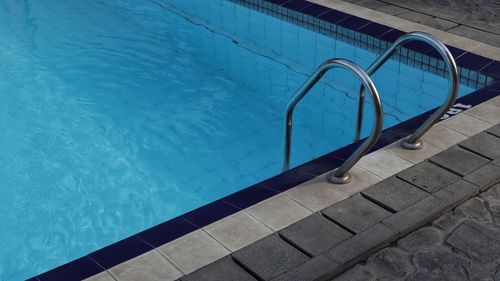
(118, 115)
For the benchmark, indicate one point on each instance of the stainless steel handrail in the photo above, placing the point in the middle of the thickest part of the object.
(413, 141)
(340, 175)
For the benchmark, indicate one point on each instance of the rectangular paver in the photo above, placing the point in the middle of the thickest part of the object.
(443, 137)
(392, 10)
(193, 251)
(428, 176)
(238, 230)
(486, 112)
(356, 213)
(270, 257)
(149, 266)
(428, 20)
(457, 192)
(416, 215)
(485, 144)
(315, 234)
(278, 212)
(414, 156)
(495, 130)
(459, 160)
(318, 268)
(394, 193)
(383, 163)
(362, 245)
(224, 269)
(484, 176)
(465, 124)
(316, 194)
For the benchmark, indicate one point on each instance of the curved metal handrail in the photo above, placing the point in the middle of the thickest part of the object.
(413, 141)
(341, 174)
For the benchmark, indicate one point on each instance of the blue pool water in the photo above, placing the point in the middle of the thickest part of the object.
(116, 115)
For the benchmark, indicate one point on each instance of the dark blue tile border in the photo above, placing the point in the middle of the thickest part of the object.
(170, 230)
(121, 251)
(167, 231)
(76, 270)
(249, 196)
(210, 213)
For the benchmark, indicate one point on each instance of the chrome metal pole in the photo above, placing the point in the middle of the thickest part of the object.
(340, 175)
(413, 141)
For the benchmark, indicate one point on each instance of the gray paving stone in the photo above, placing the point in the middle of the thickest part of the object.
(481, 14)
(448, 221)
(428, 176)
(479, 35)
(433, 22)
(426, 237)
(392, 10)
(459, 160)
(315, 234)
(446, 265)
(457, 192)
(269, 257)
(356, 213)
(372, 4)
(492, 198)
(357, 273)
(317, 268)
(496, 162)
(478, 242)
(485, 144)
(416, 215)
(425, 276)
(391, 264)
(475, 208)
(224, 269)
(394, 193)
(484, 176)
(495, 130)
(362, 245)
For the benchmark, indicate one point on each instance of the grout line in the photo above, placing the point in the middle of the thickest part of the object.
(220, 243)
(168, 260)
(291, 243)
(477, 153)
(338, 223)
(242, 265)
(171, 261)
(380, 204)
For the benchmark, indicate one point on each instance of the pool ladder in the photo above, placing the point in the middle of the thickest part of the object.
(341, 175)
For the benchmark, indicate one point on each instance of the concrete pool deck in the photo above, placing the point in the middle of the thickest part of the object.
(477, 20)
(229, 246)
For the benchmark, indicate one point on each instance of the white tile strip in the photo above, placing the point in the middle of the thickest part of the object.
(238, 230)
(193, 251)
(486, 112)
(414, 156)
(443, 137)
(149, 266)
(466, 124)
(384, 163)
(278, 212)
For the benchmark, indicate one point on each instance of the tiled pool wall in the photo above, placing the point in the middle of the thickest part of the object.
(475, 70)
(375, 38)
